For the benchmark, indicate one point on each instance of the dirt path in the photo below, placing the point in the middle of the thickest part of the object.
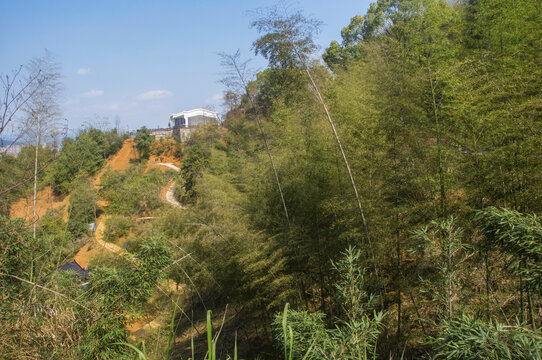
(121, 161)
(168, 194)
(169, 165)
(97, 245)
(85, 254)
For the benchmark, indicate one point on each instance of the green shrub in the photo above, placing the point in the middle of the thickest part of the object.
(307, 329)
(353, 338)
(143, 141)
(116, 226)
(124, 283)
(102, 339)
(82, 208)
(133, 192)
(518, 235)
(85, 155)
(15, 248)
(195, 161)
(467, 338)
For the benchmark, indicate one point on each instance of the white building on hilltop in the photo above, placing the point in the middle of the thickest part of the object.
(186, 122)
(196, 117)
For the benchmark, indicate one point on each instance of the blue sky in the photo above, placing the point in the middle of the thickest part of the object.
(140, 61)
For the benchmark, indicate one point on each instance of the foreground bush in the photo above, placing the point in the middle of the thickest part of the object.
(469, 338)
(353, 338)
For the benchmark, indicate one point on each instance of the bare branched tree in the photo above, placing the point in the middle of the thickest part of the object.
(236, 79)
(42, 109)
(15, 94)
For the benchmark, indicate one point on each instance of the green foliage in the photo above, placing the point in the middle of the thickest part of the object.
(53, 325)
(286, 37)
(360, 331)
(469, 338)
(128, 282)
(445, 251)
(519, 235)
(437, 105)
(15, 248)
(53, 239)
(83, 156)
(308, 330)
(82, 208)
(353, 338)
(144, 140)
(133, 192)
(191, 169)
(102, 339)
(114, 142)
(116, 226)
(155, 256)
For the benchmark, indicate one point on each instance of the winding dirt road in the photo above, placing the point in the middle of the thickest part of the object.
(170, 192)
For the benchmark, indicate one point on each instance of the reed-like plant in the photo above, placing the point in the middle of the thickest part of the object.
(466, 338)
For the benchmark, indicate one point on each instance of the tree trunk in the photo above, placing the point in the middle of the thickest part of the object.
(36, 173)
(443, 210)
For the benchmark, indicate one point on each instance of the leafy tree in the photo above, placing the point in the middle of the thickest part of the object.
(82, 208)
(83, 156)
(195, 161)
(288, 37)
(143, 141)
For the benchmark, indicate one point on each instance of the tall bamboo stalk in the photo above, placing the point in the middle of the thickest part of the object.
(36, 171)
(339, 144)
(439, 149)
(35, 218)
(232, 62)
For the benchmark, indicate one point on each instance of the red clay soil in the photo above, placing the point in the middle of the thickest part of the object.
(45, 200)
(167, 156)
(120, 161)
(86, 253)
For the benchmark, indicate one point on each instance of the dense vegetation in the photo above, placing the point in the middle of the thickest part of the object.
(390, 196)
(437, 109)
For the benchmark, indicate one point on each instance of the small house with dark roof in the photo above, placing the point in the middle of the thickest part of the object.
(74, 266)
